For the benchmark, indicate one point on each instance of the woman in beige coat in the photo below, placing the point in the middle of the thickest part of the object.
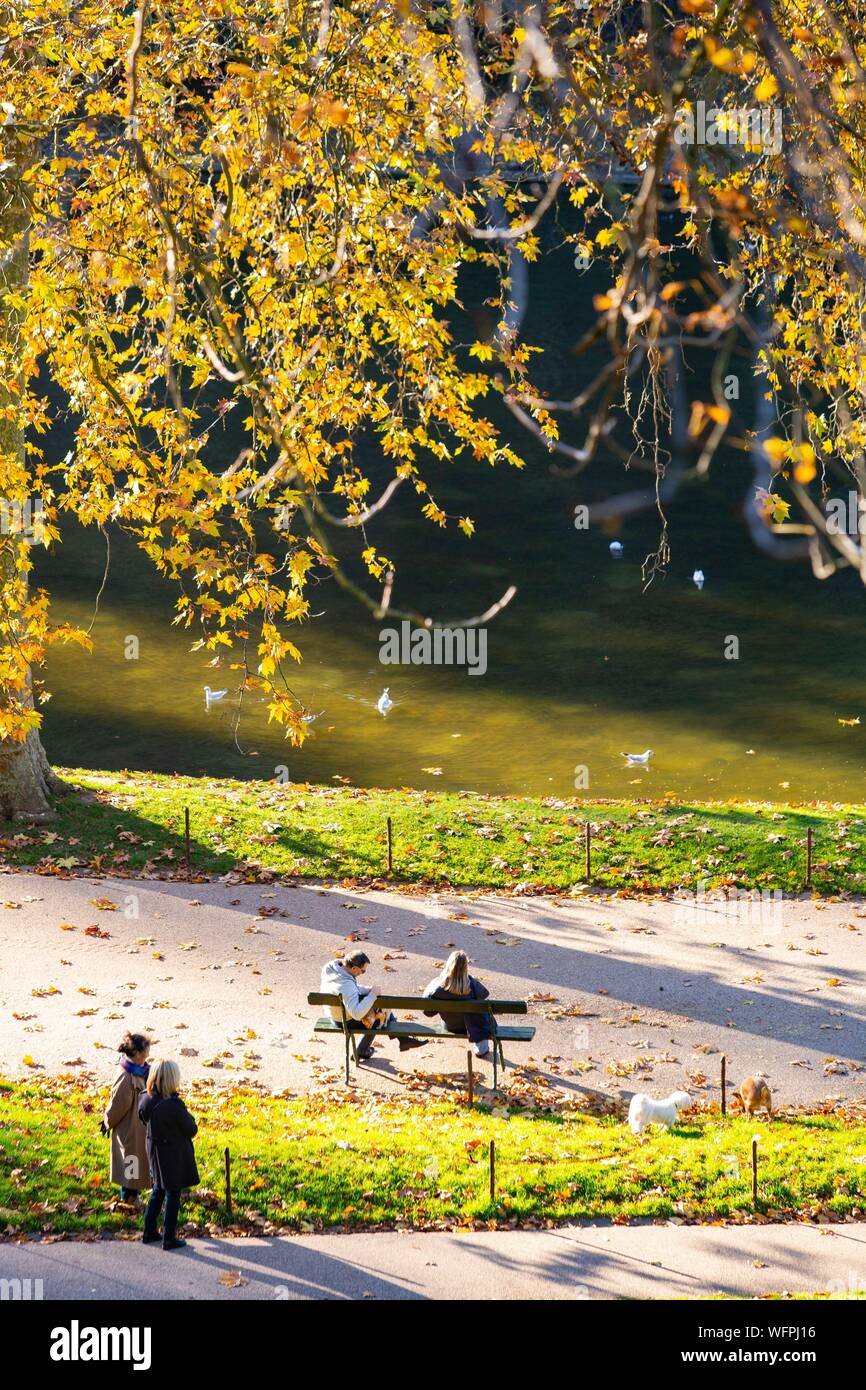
(129, 1165)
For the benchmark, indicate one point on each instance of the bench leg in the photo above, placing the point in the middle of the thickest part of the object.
(350, 1042)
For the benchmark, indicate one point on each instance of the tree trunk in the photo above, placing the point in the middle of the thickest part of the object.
(26, 781)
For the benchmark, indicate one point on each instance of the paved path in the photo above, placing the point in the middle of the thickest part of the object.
(572, 1262)
(633, 995)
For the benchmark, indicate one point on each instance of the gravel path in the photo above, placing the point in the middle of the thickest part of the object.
(587, 1262)
(629, 995)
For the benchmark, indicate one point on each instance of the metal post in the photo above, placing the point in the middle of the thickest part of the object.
(587, 835)
(471, 1076)
(724, 1085)
(390, 848)
(809, 857)
(492, 1170)
(228, 1163)
(350, 1039)
(186, 832)
(755, 1171)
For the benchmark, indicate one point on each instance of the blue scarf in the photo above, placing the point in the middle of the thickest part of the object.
(134, 1068)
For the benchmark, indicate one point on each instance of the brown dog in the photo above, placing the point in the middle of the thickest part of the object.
(755, 1095)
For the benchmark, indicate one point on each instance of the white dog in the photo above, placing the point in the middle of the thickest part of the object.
(645, 1111)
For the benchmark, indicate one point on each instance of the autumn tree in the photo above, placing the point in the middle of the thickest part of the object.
(214, 208)
(259, 208)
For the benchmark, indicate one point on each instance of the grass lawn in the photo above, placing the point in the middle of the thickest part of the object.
(134, 822)
(825, 1297)
(333, 1160)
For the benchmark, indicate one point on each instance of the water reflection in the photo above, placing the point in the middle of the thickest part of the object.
(582, 664)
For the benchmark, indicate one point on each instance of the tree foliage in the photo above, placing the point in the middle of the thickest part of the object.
(261, 208)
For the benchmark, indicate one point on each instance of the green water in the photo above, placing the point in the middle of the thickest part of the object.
(582, 665)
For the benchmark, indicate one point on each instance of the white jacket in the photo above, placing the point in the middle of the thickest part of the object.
(337, 980)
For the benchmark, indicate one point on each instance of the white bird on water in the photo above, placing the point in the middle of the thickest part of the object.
(698, 579)
(640, 758)
(384, 702)
(211, 697)
(616, 549)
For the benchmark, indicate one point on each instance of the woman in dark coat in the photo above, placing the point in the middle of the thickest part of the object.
(170, 1132)
(455, 982)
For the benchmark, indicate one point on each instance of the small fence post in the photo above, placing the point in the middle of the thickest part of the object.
(587, 836)
(755, 1171)
(228, 1166)
(186, 836)
(809, 857)
(390, 847)
(724, 1084)
(471, 1076)
(492, 1170)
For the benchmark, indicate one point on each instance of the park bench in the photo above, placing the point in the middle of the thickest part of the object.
(349, 1027)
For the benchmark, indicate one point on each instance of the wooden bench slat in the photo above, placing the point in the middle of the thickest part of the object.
(415, 1001)
(508, 1033)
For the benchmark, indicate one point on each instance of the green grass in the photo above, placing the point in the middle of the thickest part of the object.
(133, 822)
(824, 1296)
(333, 1160)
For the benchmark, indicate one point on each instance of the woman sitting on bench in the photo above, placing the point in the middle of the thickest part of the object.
(455, 982)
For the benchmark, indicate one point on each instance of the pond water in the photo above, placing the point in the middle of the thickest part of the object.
(583, 663)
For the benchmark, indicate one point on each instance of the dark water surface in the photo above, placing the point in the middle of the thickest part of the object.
(582, 665)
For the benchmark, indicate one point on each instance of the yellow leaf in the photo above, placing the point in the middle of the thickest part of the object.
(291, 252)
(722, 58)
(805, 469)
(767, 88)
(777, 450)
(334, 112)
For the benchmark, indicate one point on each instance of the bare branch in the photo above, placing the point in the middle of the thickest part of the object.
(361, 518)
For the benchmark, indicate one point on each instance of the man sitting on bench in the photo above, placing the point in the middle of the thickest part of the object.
(341, 977)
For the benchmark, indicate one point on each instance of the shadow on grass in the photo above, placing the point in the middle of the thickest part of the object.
(101, 835)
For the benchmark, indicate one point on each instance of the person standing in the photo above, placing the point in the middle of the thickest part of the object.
(170, 1132)
(129, 1165)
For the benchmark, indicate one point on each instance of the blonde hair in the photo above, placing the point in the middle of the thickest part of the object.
(455, 973)
(164, 1079)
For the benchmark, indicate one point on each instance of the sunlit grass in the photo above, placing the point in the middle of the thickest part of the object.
(136, 820)
(331, 1159)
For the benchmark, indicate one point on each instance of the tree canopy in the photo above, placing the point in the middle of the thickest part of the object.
(262, 207)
